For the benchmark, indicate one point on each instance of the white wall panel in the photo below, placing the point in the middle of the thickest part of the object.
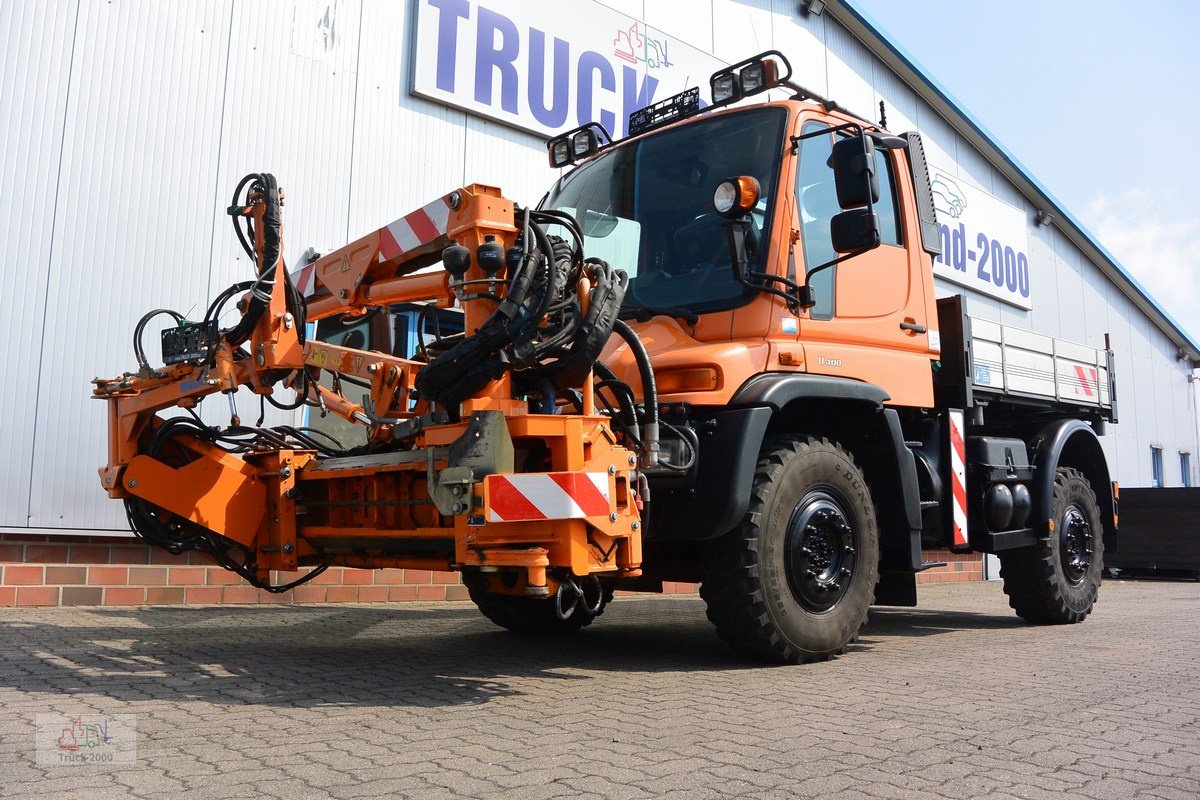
(1095, 304)
(940, 140)
(802, 39)
(902, 104)
(634, 8)
(973, 168)
(1070, 297)
(34, 75)
(741, 28)
(1043, 284)
(513, 160)
(135, 213)
(690, 21)
(851, 72)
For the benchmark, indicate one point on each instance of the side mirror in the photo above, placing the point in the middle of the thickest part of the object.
(853, 163)
(855, 230)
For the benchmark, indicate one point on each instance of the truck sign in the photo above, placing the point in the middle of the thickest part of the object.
(985, 241)
(530, 66)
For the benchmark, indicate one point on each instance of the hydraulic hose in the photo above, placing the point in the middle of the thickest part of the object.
(138, 352)
(272, 249)
(649, 392)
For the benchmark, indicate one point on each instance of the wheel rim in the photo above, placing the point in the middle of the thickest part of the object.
(1075, 545)
(819, 552)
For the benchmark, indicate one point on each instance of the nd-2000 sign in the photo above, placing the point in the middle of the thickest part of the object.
(985, 241)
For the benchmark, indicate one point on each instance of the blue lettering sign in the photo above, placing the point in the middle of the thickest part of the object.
(490, 57)
(556, 114)
(517, 72)
(591, 63)
(449, 13)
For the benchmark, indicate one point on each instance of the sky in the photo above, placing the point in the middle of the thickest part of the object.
(1098, 99)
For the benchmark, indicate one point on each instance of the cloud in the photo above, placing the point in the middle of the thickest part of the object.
(1155, 236)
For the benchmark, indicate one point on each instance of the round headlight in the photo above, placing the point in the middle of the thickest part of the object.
(725, 197)
(735, 197)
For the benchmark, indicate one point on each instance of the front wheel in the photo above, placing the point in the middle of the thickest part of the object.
(1056, 582)
(793, 583)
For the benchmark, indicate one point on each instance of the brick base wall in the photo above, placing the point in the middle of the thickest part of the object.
(40, 570)
(959, 567)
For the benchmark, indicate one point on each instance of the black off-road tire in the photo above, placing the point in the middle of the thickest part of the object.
(528, 615)
(1047, 583)
(766, 580)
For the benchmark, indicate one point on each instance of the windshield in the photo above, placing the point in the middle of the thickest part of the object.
(647, 207)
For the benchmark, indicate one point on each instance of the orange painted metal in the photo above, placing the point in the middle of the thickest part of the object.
(291, 508)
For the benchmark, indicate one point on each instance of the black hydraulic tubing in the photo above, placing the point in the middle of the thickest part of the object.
(140, 329)
(649, 391)
(543, 242)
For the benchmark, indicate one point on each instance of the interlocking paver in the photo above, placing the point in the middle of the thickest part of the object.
(954, 699)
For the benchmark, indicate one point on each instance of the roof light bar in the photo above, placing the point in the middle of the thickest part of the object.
(578, 144)
(752, 76)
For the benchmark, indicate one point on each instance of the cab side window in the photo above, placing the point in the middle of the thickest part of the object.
(886, 208)
(817, 203)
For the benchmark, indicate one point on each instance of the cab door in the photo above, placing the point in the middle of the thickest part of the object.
(869, 322)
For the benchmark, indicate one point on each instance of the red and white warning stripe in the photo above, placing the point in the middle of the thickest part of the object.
(302, 279)
(1086, 381)
(551, 495)
(958, 477)
(413, 230)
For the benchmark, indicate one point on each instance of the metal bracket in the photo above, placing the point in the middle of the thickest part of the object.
(484, 448)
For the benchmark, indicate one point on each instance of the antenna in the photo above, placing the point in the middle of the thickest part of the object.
(882, 115)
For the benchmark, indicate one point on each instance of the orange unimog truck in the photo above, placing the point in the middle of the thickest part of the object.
(712, 353)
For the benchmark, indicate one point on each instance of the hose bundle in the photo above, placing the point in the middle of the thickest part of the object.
(270, 267)
(538, 331)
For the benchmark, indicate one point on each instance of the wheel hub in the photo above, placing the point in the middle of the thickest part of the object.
(819, 552)
(1075, 545)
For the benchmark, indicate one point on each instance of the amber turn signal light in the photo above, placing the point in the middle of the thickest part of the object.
(693, 379)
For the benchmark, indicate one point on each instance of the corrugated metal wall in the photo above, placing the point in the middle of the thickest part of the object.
(126, 125)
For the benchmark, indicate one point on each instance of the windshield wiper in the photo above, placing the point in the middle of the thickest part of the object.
(646, 313)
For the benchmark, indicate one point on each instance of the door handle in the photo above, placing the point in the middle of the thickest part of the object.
(907, 325)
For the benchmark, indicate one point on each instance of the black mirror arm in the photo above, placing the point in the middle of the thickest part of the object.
(736, 235)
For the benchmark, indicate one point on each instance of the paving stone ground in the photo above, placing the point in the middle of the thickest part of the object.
(954, 699)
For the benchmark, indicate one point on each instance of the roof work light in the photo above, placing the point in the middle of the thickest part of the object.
(745, 78)
(577, 145)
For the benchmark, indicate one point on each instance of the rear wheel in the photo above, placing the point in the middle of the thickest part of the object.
(1057, 581)
(544, 616)
(793, 582)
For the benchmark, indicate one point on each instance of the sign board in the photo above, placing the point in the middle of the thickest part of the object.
(546, 67)
(985, 241)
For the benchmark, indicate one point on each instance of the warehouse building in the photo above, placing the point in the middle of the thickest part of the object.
(126, 125)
